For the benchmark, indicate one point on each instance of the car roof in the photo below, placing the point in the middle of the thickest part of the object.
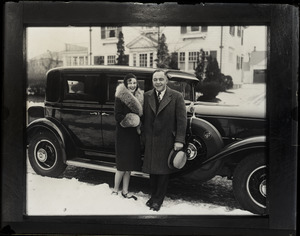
(129, 69)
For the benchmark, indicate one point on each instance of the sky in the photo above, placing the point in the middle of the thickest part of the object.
(41, 39)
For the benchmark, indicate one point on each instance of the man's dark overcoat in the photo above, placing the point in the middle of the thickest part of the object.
(162, 129)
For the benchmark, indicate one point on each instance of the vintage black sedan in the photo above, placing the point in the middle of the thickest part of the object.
(76, 126)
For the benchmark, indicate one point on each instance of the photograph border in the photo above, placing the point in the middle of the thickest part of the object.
(283, 23)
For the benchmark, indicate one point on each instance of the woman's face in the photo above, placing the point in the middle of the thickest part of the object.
(132, 84)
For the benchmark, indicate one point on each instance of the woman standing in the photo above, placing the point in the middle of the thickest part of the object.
(128, 110)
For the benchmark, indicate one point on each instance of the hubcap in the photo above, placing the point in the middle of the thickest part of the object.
(42, 155)
(191, 151)
(45, 154)
(263, 188)
(257, 187)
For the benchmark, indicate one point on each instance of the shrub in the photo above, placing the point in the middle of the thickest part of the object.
(210, 91)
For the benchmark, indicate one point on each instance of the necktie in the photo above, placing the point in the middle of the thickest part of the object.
(158, 97)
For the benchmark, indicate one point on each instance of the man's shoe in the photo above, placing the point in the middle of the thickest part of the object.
(149, 203)
(155, 207)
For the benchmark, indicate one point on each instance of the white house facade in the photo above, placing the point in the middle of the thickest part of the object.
(225, 43)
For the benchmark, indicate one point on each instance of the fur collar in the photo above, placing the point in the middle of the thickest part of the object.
(133, 102)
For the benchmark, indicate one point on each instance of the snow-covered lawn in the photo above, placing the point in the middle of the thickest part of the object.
(51, 196)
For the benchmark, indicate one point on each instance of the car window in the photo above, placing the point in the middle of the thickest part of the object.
(114, 81)
(183, 87)
(81, 87)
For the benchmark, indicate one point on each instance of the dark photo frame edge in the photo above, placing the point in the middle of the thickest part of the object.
(283, 22)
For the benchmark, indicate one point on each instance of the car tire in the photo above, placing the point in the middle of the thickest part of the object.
(249, 183)
(45, 154)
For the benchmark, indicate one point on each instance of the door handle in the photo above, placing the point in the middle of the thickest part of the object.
(104, 114)
(95, 113)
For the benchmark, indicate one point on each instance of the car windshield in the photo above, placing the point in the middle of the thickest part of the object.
(184, 87)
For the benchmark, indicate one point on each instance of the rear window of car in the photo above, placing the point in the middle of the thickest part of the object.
(81, 87)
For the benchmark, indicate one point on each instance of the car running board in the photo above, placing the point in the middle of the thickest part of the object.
(100, 165)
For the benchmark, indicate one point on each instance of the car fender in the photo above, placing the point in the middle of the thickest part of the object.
(52, 125)
(256, 142)
(208, 133)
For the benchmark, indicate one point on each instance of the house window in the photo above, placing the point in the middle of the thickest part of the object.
(111, 60)
(203, 28)
(239, 31)
(182, 60)
(99, 60)
(232, 30)
(81, 61)
(213, 54)
(134, 59)
(75, 61)
(109, 32)
(194, 28)
(143, 60)
(242, 61)
(151, 59)
(230, 55)
(192, 60)
(242, 37)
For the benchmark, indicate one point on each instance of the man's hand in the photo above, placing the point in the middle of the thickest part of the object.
(178, 146)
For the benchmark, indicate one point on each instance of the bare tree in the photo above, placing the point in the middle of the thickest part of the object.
(50, 62)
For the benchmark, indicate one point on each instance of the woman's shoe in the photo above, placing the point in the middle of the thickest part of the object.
(114, 193)
(126, 195)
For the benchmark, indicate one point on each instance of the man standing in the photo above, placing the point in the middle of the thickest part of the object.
(165, 122)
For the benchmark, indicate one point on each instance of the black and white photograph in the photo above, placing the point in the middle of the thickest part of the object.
(149, 118)
(73, 74)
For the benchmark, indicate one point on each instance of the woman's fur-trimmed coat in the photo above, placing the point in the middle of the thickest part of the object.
(128, 110)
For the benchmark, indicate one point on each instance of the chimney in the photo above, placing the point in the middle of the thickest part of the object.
(254, 50)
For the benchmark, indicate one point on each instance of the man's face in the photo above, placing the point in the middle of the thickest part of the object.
(159, 81)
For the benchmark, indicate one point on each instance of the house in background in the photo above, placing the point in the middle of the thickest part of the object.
(39, 65)
(254, 71)
(225, 43)
(74, 55)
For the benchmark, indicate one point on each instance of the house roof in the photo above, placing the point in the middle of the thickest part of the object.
(73, 47)
(143, 41)
(257, 56)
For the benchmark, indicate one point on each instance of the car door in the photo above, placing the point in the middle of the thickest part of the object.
(81, 109)
(108, 118)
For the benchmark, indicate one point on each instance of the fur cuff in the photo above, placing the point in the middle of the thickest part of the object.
(130, 120)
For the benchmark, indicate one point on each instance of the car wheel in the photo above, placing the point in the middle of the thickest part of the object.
(197, 153)
(46, 154)
(250, 183)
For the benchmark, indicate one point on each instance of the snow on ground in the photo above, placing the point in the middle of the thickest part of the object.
(52, 196)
